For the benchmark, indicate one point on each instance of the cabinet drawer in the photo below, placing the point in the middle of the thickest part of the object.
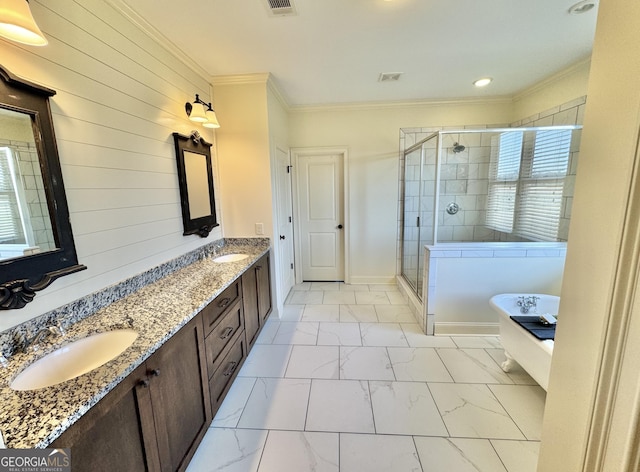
(222, 334)
(223, 301)
(224, 375)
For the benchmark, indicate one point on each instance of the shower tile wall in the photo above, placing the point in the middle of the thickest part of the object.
(464, 181)
(464, 175)
(34, 193)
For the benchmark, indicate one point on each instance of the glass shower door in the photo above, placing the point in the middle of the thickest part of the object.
(411, 230)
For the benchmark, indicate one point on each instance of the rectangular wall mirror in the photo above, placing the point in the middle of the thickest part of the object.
(195, 175)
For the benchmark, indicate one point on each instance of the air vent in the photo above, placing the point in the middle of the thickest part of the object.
(389, 77)
(280, 7)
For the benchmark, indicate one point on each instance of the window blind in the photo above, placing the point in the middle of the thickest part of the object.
(504, 170)
(541, 188)
(10, 222)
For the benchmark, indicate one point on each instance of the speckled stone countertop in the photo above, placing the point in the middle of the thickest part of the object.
(156, 311)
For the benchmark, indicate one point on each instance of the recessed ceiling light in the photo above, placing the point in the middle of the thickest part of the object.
(483, 82)
(582, 7)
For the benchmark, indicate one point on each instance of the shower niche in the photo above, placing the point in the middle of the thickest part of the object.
(498, 185)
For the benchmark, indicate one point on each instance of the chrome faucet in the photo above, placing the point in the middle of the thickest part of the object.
(32, 343)
(526, 303)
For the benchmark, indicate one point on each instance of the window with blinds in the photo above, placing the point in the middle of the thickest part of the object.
(504, 170)
(11, 229)
(539, 203)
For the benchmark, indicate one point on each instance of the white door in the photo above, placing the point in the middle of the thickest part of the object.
(284, 238)
(321, 210)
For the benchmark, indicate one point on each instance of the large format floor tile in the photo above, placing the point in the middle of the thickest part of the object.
(339, 334)
(473, 366)
(418, 364)
(340, 406)
(276, 404)
(458, 455)
(518, 456)
(365, 363)
(405, 408)
(233, 405)
(471, 410)
(346, 381)
(382, 334)
(300, 451)
(525, 405)
(378, 453)
(314, 362)
(358, 314)
(266, 360)
(229, 450)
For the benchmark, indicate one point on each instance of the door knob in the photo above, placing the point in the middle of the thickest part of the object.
(339, 226)
(282, 236)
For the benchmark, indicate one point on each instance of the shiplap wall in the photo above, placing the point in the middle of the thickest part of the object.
(120, 96)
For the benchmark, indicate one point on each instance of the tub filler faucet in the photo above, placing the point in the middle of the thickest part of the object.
(526, 303)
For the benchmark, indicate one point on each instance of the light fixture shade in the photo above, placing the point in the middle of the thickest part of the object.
(197, 113)
(212, 120)
(17, 23)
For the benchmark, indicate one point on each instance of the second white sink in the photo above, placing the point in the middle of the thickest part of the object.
(74, 359)
(230, 258)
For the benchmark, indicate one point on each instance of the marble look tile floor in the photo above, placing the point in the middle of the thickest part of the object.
(345, 381)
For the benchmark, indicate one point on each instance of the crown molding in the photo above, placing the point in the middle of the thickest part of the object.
(156, 35)
(240, 79)
(401, 104)
(552, 78)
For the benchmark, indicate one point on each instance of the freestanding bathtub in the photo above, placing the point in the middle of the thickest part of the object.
(519, 345)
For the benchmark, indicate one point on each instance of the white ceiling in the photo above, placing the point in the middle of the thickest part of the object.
(333, 51)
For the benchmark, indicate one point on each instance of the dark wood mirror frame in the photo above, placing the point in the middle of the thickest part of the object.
(22, 277)
(194, 143)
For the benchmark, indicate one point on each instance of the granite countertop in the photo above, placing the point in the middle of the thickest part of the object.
(156, 311)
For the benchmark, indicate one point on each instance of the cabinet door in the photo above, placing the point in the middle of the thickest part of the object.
(180, 395)
(250, 304)
(263, 279)
(117, 433)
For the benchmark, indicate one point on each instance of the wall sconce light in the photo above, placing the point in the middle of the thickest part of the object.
(17, 23)
(201, 112)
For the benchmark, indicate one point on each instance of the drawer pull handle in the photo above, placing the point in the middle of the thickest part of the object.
(143, 383)
(227, 332)
(224, 302)
(230, 369)
(155, 372)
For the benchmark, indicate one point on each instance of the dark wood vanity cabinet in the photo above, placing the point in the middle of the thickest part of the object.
(179, 389)
(154, 419)
(256, 297)
(118, 433)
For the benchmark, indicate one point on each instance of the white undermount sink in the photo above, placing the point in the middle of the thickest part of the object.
(230, 258)
(74, 359)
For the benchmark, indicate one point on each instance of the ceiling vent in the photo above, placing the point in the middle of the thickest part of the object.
(281, 7)
(389, 77)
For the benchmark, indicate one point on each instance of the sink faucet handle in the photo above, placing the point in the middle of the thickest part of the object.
(58, 329)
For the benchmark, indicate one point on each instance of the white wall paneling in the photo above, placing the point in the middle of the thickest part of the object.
(120, 96)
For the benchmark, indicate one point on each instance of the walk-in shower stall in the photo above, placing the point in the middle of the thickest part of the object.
(491, 185)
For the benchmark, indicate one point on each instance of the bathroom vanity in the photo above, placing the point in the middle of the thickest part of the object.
(149, 408)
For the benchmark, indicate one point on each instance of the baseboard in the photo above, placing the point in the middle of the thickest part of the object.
(467, 328)
(364, 279)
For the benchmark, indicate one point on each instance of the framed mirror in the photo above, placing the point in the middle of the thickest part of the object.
(195, 175)
(36, 242)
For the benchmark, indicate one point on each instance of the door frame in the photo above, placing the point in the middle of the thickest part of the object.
(277, 263)
(296, 154)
